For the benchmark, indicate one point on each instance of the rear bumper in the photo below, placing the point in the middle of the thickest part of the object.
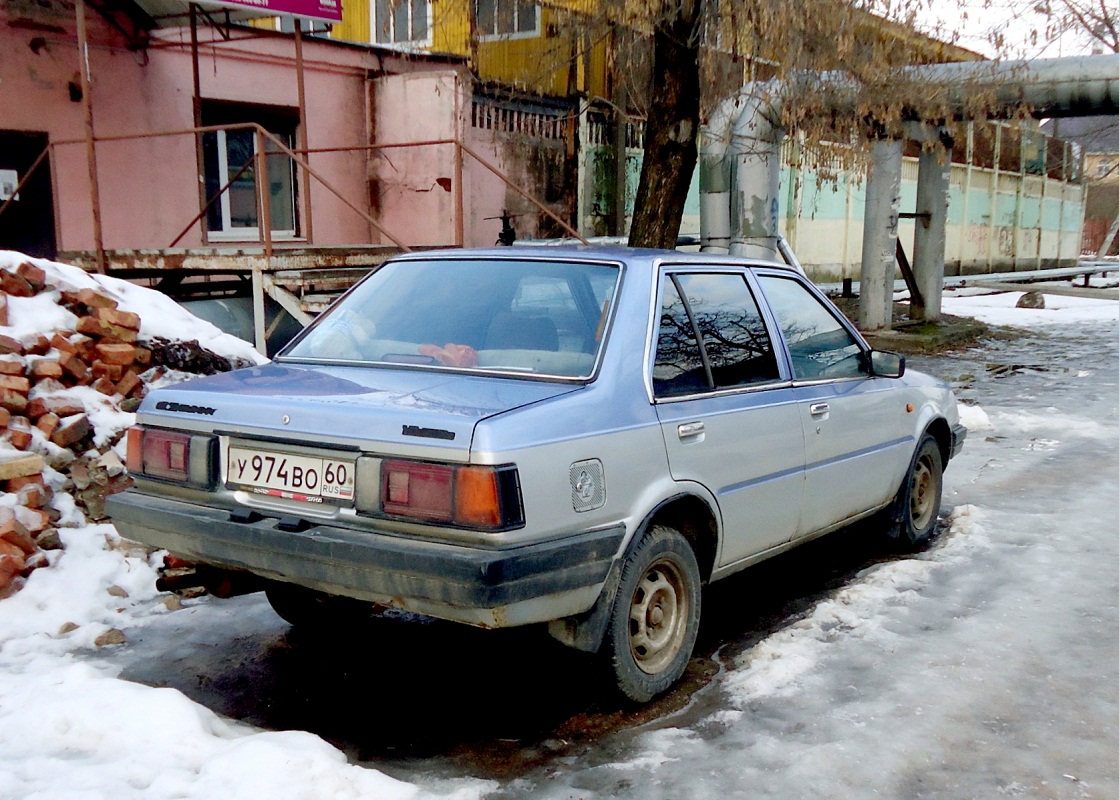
(469, 584)
(959, 433)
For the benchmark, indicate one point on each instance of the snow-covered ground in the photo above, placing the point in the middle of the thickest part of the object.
(984, 667)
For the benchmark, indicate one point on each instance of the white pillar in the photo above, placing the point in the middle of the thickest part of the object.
(930, 238)
(880, 236)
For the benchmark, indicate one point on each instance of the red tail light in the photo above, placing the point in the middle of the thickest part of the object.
(467, 496)
(170, 455)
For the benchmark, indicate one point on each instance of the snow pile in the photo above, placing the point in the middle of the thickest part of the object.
(77, 353)
(69, 729)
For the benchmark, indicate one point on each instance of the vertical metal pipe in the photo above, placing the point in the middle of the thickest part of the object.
(460, 132)
(880, 236)
(90, 144)
(264, 222)
(301, 133)
(196, 109)
(264, 192)
(933, 180)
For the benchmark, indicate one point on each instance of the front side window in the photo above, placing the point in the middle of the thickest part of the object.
(506, 17)
(524, 317)
(401, 21)
(819, 345)
(711, 336)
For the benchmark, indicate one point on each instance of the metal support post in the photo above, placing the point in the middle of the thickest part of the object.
(880, 235)
(91, 148)
(301, 133)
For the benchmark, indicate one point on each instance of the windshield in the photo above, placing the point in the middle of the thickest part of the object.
(533, 317)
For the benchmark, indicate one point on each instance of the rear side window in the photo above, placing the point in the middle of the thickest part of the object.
(819, 346)
(711, 336)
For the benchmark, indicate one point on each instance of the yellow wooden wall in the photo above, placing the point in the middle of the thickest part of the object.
(537, 64)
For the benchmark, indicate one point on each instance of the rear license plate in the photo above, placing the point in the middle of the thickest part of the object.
(290, 476)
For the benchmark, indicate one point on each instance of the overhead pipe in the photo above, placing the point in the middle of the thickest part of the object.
(740, 149)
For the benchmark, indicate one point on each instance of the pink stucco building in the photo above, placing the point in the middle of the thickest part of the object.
(152, 179)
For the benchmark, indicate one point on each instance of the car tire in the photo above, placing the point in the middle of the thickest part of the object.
(915, 511)
(655, 616)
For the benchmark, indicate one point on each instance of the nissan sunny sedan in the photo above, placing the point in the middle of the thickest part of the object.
(575, 437)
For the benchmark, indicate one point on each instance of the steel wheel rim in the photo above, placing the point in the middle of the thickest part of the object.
(923, 494)
(658, 616)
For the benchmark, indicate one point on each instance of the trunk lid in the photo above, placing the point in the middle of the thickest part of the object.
(366, 407)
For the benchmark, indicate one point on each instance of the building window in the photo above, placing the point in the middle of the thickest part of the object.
(230, 173)
(1103, 169)
(507, 18)
(401, 21)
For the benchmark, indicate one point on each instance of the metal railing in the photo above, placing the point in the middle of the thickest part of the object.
(266, 145)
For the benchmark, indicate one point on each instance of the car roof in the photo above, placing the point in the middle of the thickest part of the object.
(637, 256)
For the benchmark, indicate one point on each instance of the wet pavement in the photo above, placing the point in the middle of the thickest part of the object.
(417, 699)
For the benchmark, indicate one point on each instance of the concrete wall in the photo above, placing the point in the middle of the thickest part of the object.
(996, 221)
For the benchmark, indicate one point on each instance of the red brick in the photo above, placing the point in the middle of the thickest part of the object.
(113, 372)
(143, 356)
(10, 568)
(63, 406)
(48, 423)
(105, 386)
(19, 433)
(13, 400)
(5, 417)
(13, 532)
(15, 285)
(15, 484)
(63, 345)
(16, 383)
(116, 353)
(120, 319)
(94, 299)
(7, 343)
(36, 521)
(34, 276)
(33, 495)
(3, 309)
(11, 366)
(74, 366)
(93, 327)
(45, 368)
(128, 384)
(73, 429)
(38, 347)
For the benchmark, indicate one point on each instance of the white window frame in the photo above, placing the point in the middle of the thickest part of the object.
(501, 37)
(229, 232)
(398, 43)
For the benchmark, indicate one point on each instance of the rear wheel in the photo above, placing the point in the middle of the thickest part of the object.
(655, 616)
(918, 502)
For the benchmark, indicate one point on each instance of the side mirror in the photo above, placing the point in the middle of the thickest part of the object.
(886, 365)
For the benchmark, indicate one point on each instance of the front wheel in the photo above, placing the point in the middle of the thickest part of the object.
(918, 501)
(655, 617)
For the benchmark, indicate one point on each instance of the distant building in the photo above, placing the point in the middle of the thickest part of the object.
(1098, 138)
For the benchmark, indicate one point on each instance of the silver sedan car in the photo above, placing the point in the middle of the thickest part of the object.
(575, 437)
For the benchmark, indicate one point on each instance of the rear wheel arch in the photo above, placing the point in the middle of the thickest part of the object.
(695, 520)
(689, 514)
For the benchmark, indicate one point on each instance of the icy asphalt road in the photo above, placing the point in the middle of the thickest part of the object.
(984, 667)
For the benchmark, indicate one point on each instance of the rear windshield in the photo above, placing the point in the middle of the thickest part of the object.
(542, 318)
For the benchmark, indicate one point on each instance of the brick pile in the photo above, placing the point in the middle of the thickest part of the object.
(45, 427)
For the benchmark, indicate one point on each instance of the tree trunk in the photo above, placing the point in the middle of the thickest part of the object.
(671, 130)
